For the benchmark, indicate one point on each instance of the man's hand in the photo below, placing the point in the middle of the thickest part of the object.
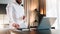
(15, 25)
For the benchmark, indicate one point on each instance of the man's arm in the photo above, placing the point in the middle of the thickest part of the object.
(9, 10)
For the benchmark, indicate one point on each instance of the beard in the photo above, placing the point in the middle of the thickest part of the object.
(19, 2)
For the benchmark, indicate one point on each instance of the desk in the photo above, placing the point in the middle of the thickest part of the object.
(36, 32)
(30, 32)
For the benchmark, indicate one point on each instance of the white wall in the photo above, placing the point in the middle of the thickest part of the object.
(6, 1)
(58, 5)
(51, 8)
(51, 11)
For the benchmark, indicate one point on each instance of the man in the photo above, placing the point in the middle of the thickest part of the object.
(16, 14)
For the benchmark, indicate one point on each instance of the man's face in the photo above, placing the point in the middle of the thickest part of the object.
(19, 1)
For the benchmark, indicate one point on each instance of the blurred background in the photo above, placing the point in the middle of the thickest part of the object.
(48, 8)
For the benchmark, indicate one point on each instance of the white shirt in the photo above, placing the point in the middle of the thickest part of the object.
(15, 13)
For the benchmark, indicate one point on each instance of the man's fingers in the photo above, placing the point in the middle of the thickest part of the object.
(15, 25)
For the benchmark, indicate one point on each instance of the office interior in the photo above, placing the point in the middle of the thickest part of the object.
(49, 23)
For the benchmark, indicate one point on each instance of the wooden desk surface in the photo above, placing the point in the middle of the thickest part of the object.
(31, 32)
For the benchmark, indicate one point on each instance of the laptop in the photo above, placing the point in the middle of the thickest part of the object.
(46, 23)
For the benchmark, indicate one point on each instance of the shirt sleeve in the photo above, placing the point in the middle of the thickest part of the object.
(9, 10)
(23, 13)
